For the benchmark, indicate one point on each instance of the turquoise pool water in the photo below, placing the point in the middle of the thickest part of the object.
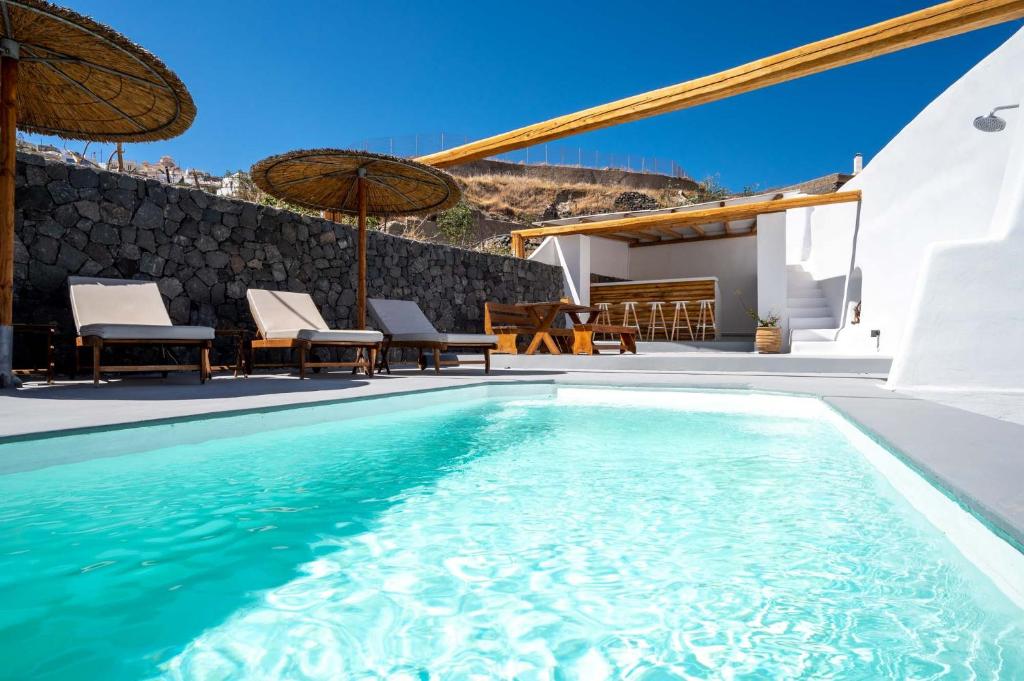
(494, 538)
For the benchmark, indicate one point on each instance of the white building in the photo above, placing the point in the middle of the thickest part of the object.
(926, 267)
(230, 185)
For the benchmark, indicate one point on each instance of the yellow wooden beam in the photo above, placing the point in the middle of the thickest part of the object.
(704, 216)
(518, 246)
(932, 23)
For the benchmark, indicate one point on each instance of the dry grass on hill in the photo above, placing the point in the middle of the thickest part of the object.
(524, 199)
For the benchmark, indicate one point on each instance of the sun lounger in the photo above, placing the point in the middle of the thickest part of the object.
(125, 312)
(292, 320)
(405, 326)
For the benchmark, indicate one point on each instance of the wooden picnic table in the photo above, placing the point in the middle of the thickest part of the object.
(544, 315)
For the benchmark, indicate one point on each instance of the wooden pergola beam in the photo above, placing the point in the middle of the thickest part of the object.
(669, 232)
(620, 237)
(704, 216)
(932, 23)
(691, 239)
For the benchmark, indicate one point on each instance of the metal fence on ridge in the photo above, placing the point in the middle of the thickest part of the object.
(542, 154)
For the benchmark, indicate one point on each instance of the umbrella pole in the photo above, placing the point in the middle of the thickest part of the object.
(8, 161)
(361, 290)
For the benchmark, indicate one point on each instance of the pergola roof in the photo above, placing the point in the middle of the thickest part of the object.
(725, 219)
(643, 235)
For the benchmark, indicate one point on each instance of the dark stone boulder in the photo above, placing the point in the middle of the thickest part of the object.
(148, 216)
(102, 233)
(32, 198)
(629, 201)
(152, 265)
(83, 177)
(115, 214)
(44, 249)
(66, 215)
(88, 209)
(70, 258)
(46, 277)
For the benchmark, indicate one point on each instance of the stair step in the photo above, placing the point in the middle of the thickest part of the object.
(813, 335)
(795, 302)
(806, 287)
(802, 312)
(812, 323)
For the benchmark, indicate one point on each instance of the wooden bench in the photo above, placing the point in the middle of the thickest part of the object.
(507, 322)
(583, 338)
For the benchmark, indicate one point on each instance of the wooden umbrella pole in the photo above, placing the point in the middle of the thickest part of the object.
(361, 290)
(8, 160)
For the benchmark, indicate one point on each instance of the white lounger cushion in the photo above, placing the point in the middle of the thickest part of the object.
(454, 339)
(146, 332)
(285, 314)
(123, 307)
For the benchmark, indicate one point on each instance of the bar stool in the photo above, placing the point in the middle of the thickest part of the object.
(706, 319)
(629, 306)
(657, 310)
(603, 317)
(681, 305)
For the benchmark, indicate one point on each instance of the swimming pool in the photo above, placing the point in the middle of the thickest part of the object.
(526, 531)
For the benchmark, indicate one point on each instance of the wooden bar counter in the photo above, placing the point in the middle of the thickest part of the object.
(691, 289)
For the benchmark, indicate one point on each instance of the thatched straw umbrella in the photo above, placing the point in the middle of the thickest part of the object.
(356, 183)
(64, 74)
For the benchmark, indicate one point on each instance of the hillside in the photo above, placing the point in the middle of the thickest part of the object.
(524, 193)
(526, 199)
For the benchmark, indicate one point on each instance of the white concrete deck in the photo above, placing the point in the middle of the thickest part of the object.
(728, 355)
(975, 457)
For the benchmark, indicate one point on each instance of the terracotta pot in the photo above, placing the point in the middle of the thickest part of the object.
(768, 339)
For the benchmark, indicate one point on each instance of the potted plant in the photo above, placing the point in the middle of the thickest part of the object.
(768, 336)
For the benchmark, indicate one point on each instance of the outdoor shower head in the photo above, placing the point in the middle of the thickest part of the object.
(991, 122)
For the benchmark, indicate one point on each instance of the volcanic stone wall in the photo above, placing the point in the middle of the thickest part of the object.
(205, 251)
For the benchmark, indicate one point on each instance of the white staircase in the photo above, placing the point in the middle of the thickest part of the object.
(812, 326)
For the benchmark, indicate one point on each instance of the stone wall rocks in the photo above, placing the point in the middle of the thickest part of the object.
(206, 251)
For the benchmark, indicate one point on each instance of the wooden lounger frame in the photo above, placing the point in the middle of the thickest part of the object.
(437, 348)
(304, 347)
(97, 344)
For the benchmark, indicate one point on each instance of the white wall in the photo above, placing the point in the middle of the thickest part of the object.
(572, 254)
(772, 280)
(798, 235)
(937, 180)
(733, 261)
(609, 257)
(966, 330)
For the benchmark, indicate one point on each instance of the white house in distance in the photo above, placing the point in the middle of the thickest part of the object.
(230, 185)
(926, 266)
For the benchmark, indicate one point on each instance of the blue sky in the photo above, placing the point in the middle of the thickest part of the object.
(268, 77)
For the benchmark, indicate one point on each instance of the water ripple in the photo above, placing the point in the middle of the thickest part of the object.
(525, 541)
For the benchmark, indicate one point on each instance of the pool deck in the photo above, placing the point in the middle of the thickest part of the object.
(955, 441)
